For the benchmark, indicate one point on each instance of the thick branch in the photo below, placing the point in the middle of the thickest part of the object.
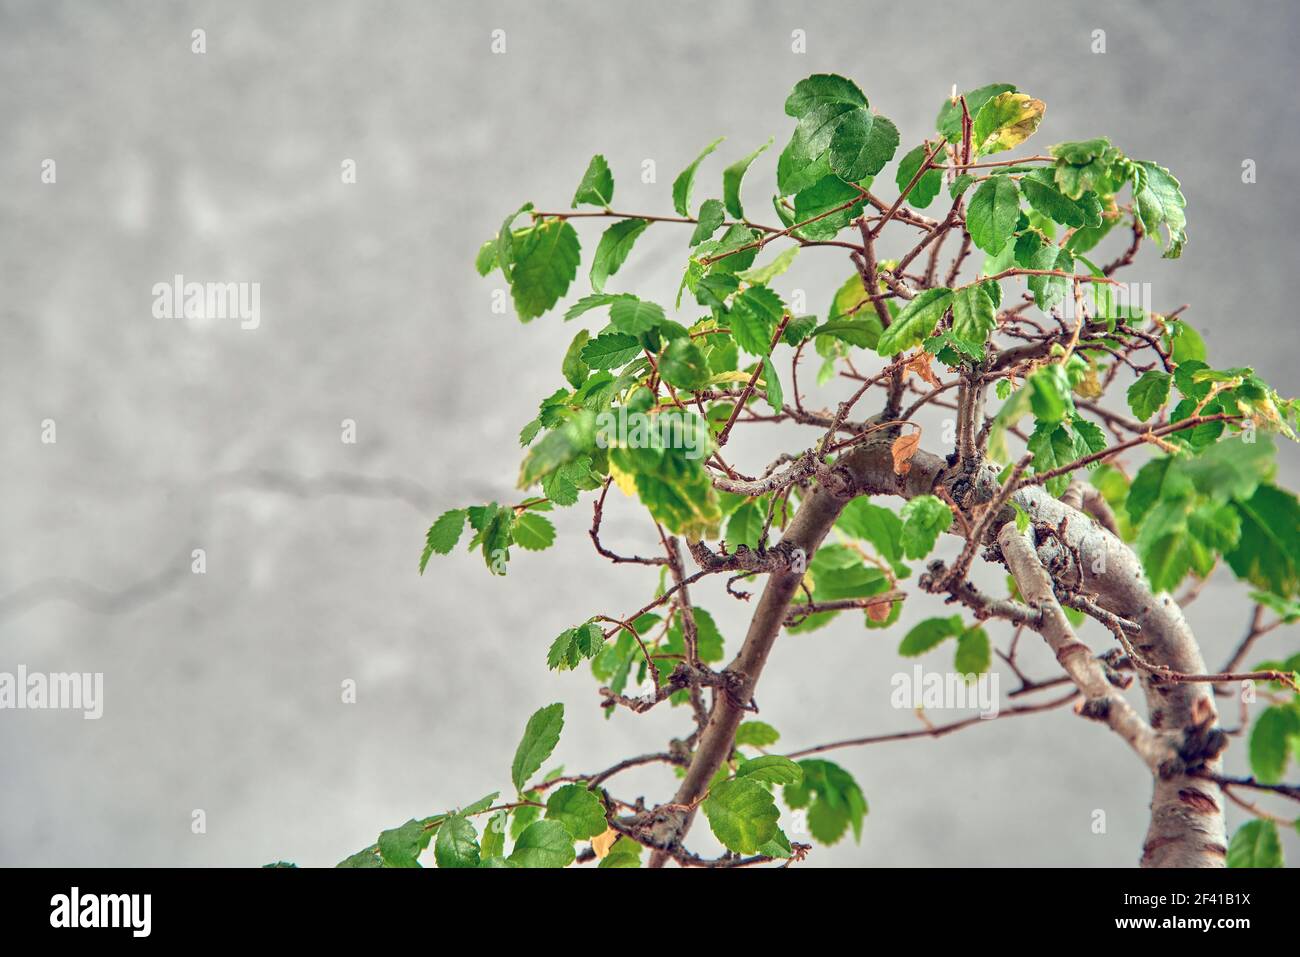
(1101, 701)
(1187, 827)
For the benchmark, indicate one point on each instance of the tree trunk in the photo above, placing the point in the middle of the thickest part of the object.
(1187, 825)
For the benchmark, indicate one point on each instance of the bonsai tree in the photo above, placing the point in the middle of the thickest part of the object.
(1094, 452)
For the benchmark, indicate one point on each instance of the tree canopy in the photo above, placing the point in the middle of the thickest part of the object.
(1023, 332)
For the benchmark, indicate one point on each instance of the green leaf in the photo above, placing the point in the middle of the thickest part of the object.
(993, 213)
(1088, 437)
(486, 260)
(443, 534)
(927, 634)
(1085, 166)
(973, 317)
(579, 810)
(742, 814)
(779, 206)
(771, 769)
(533, 532)
(609, 350)
(367, 858)
(543, 844)
(479, 806)
(492, 525)
(685, 503)
(1156, 480)
(1049, 393)
(1256, 844)
(545, 262)
(1288, 609)
(772, 386)
(861, 331)
(754, 317)
(758, 734)
(877, 525)
(685, 180)
(624, 853)
(949, 121)
(927, 187)
(924, 517)
(573, 368)
(541, 735)
(737, 237)
(822, 89)
(731, 180)
(1035, 252)
(1271, 740)
(1160, 202)
(778, 847)
(709, 639)
(1040, 189)
(524, 815)
(562, 484)
(1085, 239)
(833, 799)
(505, 249)
(597, 186)
(1230, 468)
(851, 581)
(832, 199)
(1188, 346)
(402, 846)
(1149, 393)
(684, 365)
(806, 158)
(594, 301)
(494, 837)
(1054, 446)
(779, 264)
(916, 322)
(457, 843)
(613, 249)
(745, 525)
(712, 216)
(861, 145)
(1022, 517)
(634, 316)
(1004, 122)
(573, 645)
(850, 299)
(1167, 552)
(974, 653)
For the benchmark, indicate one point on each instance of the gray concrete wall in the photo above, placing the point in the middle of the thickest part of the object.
(222, 690)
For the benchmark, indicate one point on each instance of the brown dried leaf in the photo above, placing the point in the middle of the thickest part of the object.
(903, 449)
(919, 364)
(880, 611)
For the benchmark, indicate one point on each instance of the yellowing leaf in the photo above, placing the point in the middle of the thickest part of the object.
(1005, 122)
(625, 481)
(723, 378)
(1089, 387)
(601, 843)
